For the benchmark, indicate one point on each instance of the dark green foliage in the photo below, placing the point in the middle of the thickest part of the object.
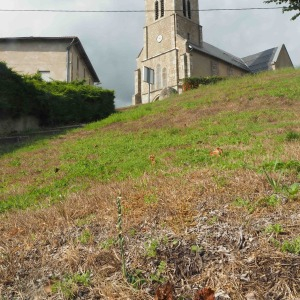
(292, 5)
(53, 103)
(194, 82)
(15, 94)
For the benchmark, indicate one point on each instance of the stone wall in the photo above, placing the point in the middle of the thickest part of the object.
(9, 125)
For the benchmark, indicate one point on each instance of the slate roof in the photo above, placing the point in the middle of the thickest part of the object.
(221, 54)
(74, 40)
(261, 61)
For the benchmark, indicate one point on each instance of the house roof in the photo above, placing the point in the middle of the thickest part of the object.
(220, 54)
(263, 60)
(71, 40)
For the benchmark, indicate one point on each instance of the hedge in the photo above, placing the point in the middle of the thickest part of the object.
(53, 103)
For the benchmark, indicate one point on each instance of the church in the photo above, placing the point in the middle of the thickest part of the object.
(174, 49)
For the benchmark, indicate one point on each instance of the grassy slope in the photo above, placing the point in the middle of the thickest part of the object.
(72, 182)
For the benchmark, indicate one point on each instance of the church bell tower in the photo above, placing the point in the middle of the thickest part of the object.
(169, 26)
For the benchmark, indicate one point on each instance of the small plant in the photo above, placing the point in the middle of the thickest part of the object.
(292, 136)
(108, 244)
(136, 278)
(212, 220)
(121, 237)
(158, 275)
(276, 228)
(69, 285)
(239, 202)
(85, 237)
(151, 249)
(292, 246)
(273, 200)
(150, 199)
(275, 184)
(293, 190)
(196, 248)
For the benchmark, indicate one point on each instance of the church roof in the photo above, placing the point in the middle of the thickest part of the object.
(221, 54)
(263, 60)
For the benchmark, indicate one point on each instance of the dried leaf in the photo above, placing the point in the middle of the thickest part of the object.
(165, 292)
(205, 294)
(217, 152)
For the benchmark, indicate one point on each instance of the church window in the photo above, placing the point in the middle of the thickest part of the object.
(158, 77)
(162, 8)
(184, 7)
(156, 10)
(189, 9)
(164, 78)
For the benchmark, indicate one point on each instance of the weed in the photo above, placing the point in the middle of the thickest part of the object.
(86, 237)
(136, 278)
(272, 200)
(293, 190)
(275, 228)
(108, 244)
(240, 202)
(158, 275)
(212, 220)
(292, 246)
(150, 199)
(151, 248)
(292, 165)
(292, 136)
(275, 184)
(121, 237)
(69, 285)
(196, 248)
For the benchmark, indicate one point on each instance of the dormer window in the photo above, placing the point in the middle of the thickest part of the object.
(156, 10)
(162, 8)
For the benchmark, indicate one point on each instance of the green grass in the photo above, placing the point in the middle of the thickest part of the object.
(69, 285)
(252, 137)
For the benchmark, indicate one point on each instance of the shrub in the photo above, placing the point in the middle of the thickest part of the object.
(194, 82)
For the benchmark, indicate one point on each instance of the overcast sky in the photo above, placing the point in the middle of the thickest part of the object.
(113, 40)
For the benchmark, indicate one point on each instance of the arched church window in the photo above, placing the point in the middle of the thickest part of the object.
(184, 7)
(189, 9)
(164, 78)
(156, 10)
(162, 8)
(158, 77)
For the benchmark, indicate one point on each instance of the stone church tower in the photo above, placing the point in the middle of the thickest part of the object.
(174, 49)
(170, 24)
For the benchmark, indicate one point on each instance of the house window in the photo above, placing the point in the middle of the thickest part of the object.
(184, 7)
(45, 75)
(77, 68)
(158, 77)
(229, 71)
(162, 8)
(156, 10)
(189, 9)
(164, 78)
(84, 73)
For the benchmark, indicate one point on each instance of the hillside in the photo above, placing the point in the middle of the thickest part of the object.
(229, 222)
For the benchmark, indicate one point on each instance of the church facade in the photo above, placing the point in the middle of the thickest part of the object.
(174, 49)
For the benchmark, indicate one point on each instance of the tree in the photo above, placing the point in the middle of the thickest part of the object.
(292, 5)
